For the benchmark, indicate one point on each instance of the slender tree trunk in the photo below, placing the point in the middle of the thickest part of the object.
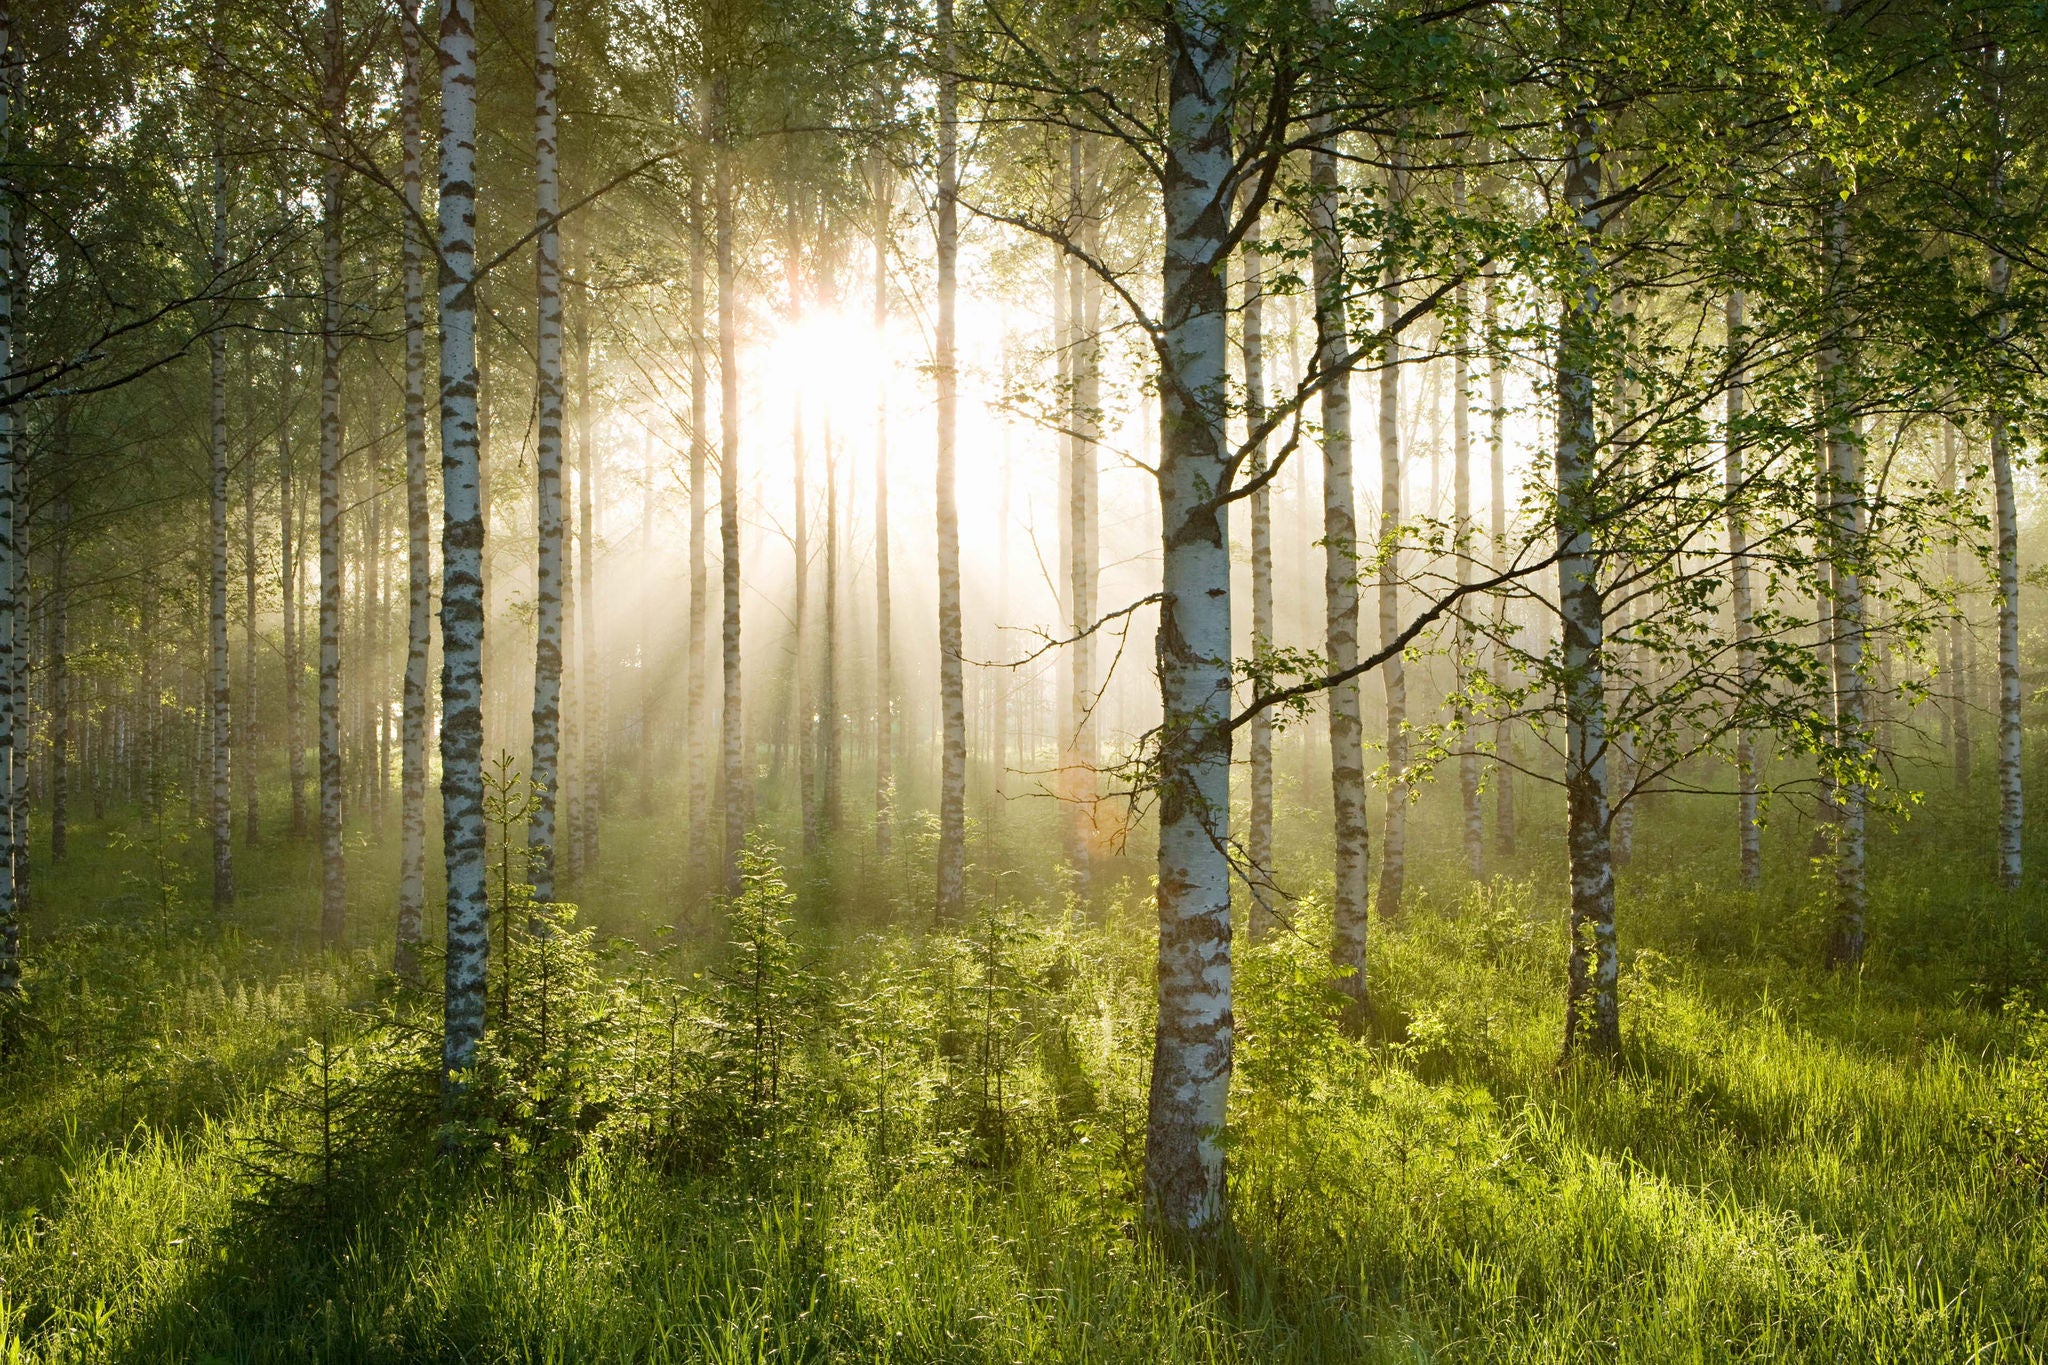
(1497, 508)
(462, 549)
(245, 742)
(1349, 902)
(591, 721)
(1004, 681)
(695, 727)
(1748, 831)
(412, 764)
(1084, 356)
(1592, 1003)
(333, 902)
(643, 756)
(2006, 521)
(1259, 823)
(828, 682)
(1185, 1184)
(734, 734)
(950, 888)
(806, 728)
(10, 916)
(885, 678)
(219, 666)
(60, 655)
(288, 593)
(1394, 836)
(547, 653)
(1461, 499)
(1958, 643)
(1844, 529)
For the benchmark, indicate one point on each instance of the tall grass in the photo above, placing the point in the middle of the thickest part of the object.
(1786, 1165)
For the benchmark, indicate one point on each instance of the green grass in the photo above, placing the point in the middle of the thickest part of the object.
(1787, 1165)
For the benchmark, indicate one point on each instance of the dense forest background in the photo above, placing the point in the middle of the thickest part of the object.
(1220, 680)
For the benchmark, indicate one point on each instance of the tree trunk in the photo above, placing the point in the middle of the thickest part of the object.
(1348, 905)
(591, 721)
(950, 888)
(695, 723)
(1748, 831)
(462, 548)
(1461, 548)
(828, 682)
(10, 915)
(245, 741)
(412, 761)
(1259, 822)
(333, 903)
(219, 666)
(1844, 530)
(288, 593)
(1394, 837)
(2006, 521)
(1592, 1003)
(734, 732)
(1084, 350)
(1497, 508)
(806, 719)
(60, 655)
(547, 652)
(1185, 1183)
(885, 679)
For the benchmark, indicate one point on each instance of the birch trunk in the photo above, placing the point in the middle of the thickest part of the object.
(1497, 508)
(288, 593)
(412, 781)
(885, 680)
(1844, 529)
(1592, 1006)
(592, 722)
(695, 724)
(1185, 1180)
(60, 652)
(1393, 673)
(1259, 817)
(219, 667)
(10, 915)
(1461, 548)
(245, 740)
(1349, 901)
(333, 902)
(2006, 521)
(1748, 831)
(806, 753)
(733, 735)
(828, 682)
(1084, 399)
(1957, 643)
(462, 551)
(547, 652)
(950, 888)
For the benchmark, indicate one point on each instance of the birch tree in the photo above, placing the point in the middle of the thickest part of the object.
(333, 893)
(462, 545)
(412, 782)
(547, 657)
(219, 667)
(950, 882)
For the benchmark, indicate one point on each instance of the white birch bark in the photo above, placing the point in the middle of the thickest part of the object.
(950, 882)
(1393, 673)
(885, 679)
(1592, 1007)
(2011, 805)
(246, 717)
(806, 715)
(290, 583)
(333, 891)
(696, 725)
(1497, 510)
(591, 697)
(219, 667)
(1748, 832)
(544, 771)
(10, 916)
(462, 548)
(1185, 1181)
(412, 762)
(733, 732)
(1259, 742)
(1349, 903)
(1844, 529)
(1461, 523)
(830, 798)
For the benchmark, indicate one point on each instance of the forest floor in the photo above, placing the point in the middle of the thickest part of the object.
(854, 1138)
